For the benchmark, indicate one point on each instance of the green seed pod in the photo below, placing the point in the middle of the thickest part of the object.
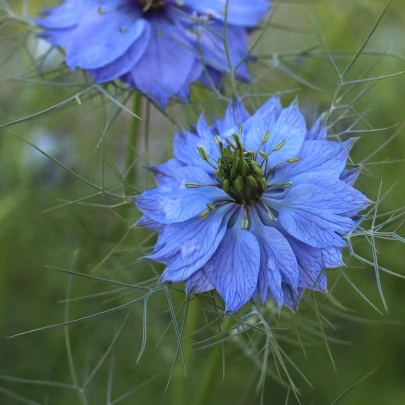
(238, 184)
(257, 170)
(251, 181)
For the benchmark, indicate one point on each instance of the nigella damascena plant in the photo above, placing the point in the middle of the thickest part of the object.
(159, 47)
(253, 207)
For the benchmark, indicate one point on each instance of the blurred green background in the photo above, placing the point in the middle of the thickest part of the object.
(40, 226)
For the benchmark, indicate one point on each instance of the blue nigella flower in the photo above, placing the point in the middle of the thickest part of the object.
(159, 47)
(253, 206)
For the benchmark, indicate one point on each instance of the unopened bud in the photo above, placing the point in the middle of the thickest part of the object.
(257, 170)
(238, 183)
(251, 181)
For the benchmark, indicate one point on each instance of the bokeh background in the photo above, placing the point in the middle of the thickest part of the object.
(48, 221)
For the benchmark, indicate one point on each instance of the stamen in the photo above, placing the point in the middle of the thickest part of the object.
(204, 214)
(265, 138)
(269, 213)
(204, 156)
(245, 220)
(202, 153)
(284, 185)
(293, 160)
(195, 185)
(279, 146)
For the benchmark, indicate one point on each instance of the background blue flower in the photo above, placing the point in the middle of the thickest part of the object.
(254, 206)
(159, 47)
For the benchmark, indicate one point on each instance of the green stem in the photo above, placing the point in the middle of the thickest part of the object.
(180, 385)
(133, 137)
(210, 370)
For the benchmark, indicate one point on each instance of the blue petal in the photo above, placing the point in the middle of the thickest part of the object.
(66, 15)
(311, 265)
(267, 112)
(239, 12)
(187, 247)
(262, 288)
(58, 37)
(175, 202)
(311, 215)
(198, 283)
(290, 127)
(210, 77)
(210, 47)
(291, 297)
(166, 173)
(233, 269)
(195, 74)
(332, 258)
(319, 131)
(185, 146)
(101, 38)
(355, 200)
(318, 158)
(278, 261)
(124, 63)
(235, 115)
(350, 176)
(166, 64)
(277, 258)
(146, 222)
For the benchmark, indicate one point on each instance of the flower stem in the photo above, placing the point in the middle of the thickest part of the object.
(180, 385)
(133, 137)
(210, 370)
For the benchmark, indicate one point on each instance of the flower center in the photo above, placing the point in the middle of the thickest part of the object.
(241, 175)
(151, 4)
